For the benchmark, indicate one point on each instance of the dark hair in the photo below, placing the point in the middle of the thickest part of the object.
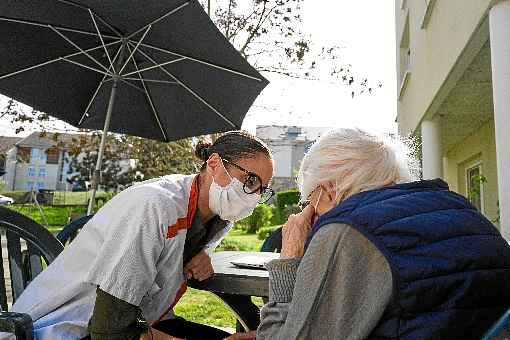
(232, 146)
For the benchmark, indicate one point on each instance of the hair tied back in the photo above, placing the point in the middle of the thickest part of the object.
(203, 150)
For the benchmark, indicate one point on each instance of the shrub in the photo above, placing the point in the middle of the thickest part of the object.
(263, 233)
(260, 218)
(232, 245)
(289, 210)
(277, 218)
(103, 198)
(286, 198)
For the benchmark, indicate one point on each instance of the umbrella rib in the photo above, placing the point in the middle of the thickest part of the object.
(78, 47)
(153, 67)
(151, 103)
(152, 80)
(136, 47)
(132, 85)
(99, 17)
(54, 60)
(101, 38)
(178, 8)
(85, 66)
(196, 95)
(201, 61)
(33, 23)
(97, 90)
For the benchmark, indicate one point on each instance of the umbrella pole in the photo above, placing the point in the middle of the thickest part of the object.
(97, 171)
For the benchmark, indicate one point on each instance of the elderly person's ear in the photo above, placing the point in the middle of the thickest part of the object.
(329, 191)
(325, 197)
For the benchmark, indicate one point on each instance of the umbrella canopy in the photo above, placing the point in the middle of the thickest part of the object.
(151, 68)
(166, 66)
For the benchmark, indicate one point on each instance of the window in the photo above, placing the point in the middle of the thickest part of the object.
(474, 187)
(31, 171)
(34, 154)
(404, 58)
(42, 155)
(30, 185)
(52, 156)
(37, 155)
(42, 172)
(23, 155)
(40, 185)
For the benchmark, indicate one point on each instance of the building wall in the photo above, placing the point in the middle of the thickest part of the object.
(20, 174)
(434, 50)
(282, 155)
(478, 147)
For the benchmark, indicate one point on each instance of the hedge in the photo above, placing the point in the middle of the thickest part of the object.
(286, 198)
(263, 233)
(260, 218)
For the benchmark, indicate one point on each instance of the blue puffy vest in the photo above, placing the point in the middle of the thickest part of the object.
(450, 266)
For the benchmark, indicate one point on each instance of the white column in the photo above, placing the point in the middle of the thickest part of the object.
(432, 156)
(499, 18)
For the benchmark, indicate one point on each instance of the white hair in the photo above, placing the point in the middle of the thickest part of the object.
(355, 161)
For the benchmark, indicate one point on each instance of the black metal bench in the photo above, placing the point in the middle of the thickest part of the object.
(29, 248)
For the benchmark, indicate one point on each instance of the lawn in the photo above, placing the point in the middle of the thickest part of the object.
(55, 217)
(206, 308)
(74, 198)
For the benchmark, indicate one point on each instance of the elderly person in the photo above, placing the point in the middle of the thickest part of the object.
(385, 258)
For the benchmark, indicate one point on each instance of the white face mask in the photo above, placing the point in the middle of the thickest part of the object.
(231, 203)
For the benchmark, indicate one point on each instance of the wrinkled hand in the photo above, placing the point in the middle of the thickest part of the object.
(199, 267)
(243, 336)
(295, 233)
(154, 334)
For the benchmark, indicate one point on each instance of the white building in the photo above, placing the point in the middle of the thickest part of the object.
(37, 162)
(453, 59)
(288, 144)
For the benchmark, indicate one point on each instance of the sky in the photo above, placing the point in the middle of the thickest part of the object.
(366, 32)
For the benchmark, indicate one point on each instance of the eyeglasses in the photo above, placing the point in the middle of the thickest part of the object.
(253, 184)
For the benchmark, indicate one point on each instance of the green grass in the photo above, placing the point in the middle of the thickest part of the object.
(248, 242)
(74, 198)
(57, 217)
(206, 308)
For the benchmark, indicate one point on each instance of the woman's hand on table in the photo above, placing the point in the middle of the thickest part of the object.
(243, 336)
(295, 232)
(199, 267)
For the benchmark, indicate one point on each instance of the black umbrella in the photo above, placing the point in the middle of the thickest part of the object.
(160, 67)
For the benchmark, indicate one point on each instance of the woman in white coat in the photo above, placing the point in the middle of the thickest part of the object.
(128, 267)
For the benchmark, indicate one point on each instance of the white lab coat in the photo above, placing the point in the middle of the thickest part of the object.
(127, 249)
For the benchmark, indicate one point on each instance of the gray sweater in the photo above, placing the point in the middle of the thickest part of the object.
(338, 290)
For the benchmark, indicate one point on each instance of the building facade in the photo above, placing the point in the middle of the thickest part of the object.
(288, 145)
(453, 69)
(41, 162)
(37, 162)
